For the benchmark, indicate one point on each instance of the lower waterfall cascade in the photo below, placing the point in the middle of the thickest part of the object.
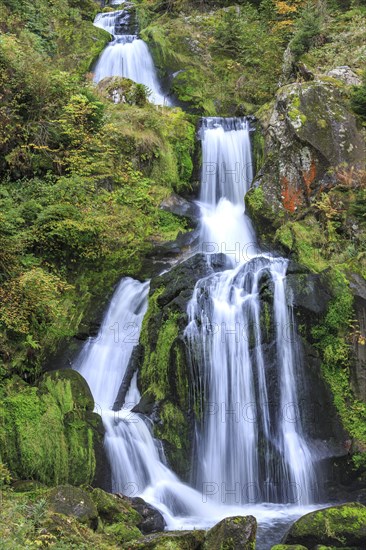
(259, 462)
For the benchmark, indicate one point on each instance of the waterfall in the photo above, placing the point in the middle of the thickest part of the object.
(104, 359)
(137, 461)
(248, 445)
(251, 454)
(127, 55)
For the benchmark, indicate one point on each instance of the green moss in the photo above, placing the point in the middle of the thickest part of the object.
(164, 377)
(33, 520)
(255, 199)
(332, 336)
(155, 369)
(208, 59)
(173, 428)
(258, 149)
(285, 236)
(297, 117)
(231, 533)
(308, 240)
(288, 547)
(113, 509)
(337, 525)
(123, 533)
(29, 417)
(173, 540)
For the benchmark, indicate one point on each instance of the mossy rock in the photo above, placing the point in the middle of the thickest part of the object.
(123, 533)
(68, 532)
(309, 133)
(338, 526)
(289, 547)
(73, 501)
(113, 508)
(50, 434)
(55, 381)
(179, 540)
(235, 533)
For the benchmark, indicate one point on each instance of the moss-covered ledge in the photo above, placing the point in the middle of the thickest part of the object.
(49, 432)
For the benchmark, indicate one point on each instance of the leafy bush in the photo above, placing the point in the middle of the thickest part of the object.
(308, 30)
(358, 99)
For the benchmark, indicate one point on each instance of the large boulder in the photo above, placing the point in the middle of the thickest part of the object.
(337, 526)
(307, 130)
(235, 533)
(114, 508)
(68, 384)
(151, 520)
(73, 501)
(49, 433)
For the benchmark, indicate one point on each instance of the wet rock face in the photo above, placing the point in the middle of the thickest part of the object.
(151, 519)
(358, 370)
(337, 526)
(308, 295)
(308, 130)
(235, 533)
(165, 377)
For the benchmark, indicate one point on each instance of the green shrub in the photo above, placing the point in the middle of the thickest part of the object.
(307, 31)
(358, 99)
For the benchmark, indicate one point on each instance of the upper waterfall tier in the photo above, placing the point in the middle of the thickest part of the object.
(227, 170)
(127, 55)
(227, 173)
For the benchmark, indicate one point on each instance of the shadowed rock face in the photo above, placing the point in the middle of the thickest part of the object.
(151, 519)
(308, 130)
(358, 288)
(72, 501)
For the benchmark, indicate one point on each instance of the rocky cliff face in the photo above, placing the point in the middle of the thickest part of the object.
(309, 133)
(307, 200)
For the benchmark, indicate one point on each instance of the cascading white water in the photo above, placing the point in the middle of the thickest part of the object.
(127, 56)
(137, 460)
(104, 359)
(247, 453)
(247, 446)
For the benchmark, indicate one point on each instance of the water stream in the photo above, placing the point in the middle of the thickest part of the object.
(251, 452)
(248, 441)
